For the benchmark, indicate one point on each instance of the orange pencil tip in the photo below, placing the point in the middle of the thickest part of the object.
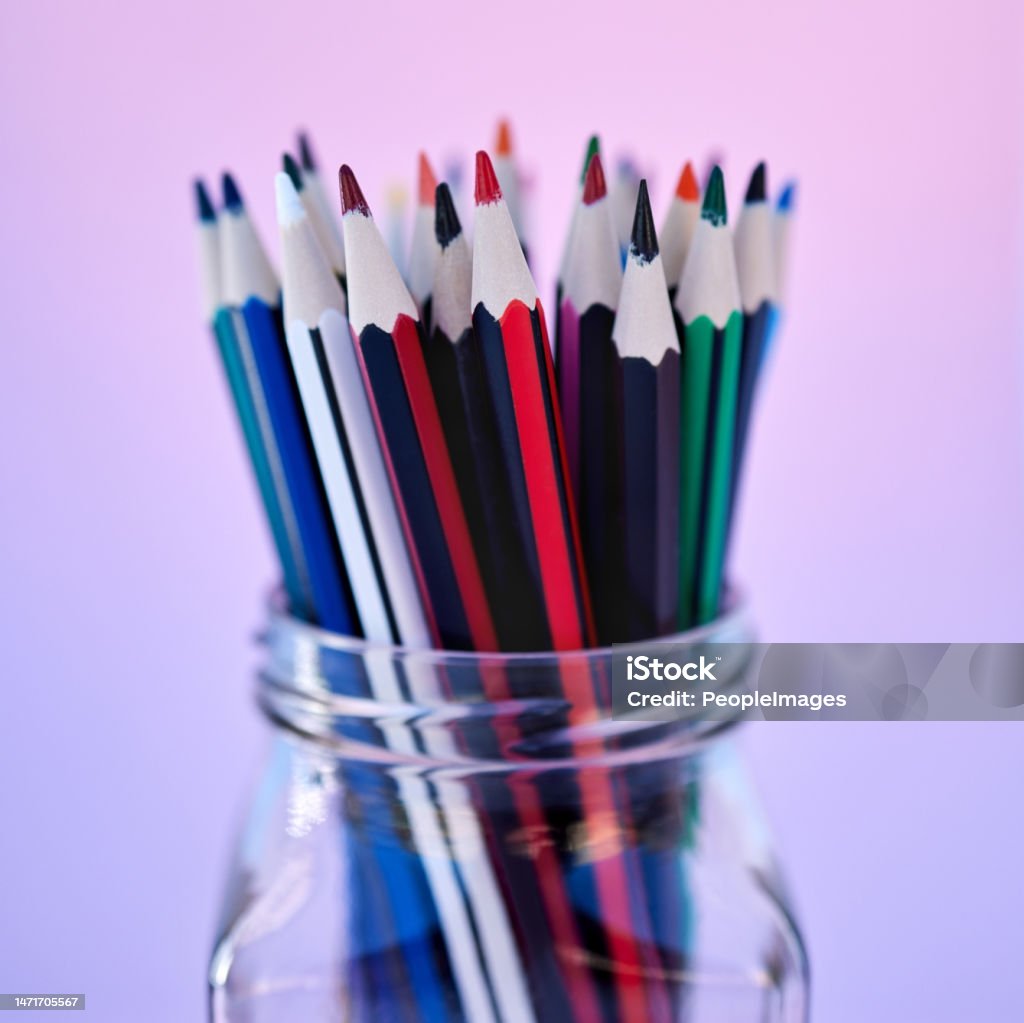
(688, 189)
(503, 142)
(427, 182)
(487, 188)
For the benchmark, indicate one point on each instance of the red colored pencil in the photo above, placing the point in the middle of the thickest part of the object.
(509, 320)
(386, 329)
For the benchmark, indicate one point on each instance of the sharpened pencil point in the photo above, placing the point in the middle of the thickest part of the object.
(756, 190)
(594, 186)
(643, 244)
(232, 197)
(306, 153)
(446, 219)
(487, 188)
(289, 206)
(204, 205)
(593, 148)
(688, 189)
(787, 197)
(713, 209)
(352, 200)
(291, 168)
(427, 181)
(503, 141)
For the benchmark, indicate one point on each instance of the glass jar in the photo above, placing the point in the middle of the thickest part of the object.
(443, 837)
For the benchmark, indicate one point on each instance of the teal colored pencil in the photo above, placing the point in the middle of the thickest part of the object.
(228, 327)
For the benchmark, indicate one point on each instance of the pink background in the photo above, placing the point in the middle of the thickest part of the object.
(885, 498)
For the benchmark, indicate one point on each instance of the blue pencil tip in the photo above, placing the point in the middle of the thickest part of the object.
(232, 197)
(204, 205)
(787, 197)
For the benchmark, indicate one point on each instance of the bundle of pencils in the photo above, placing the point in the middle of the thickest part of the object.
(433, 475)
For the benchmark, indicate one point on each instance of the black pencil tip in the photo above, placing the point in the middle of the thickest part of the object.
(714, 198)
(446, 218)
(643, 244)
(232, 197)
(757, 189)
(204, 205)
(306, 153)
(291, 168)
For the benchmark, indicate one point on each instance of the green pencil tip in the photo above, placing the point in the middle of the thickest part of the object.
(713, 209)
(593, 147)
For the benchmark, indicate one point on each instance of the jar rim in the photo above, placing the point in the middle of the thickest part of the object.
(735, 616)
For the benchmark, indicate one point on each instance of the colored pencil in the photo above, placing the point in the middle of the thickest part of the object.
(755, 267)
(251, 289)
(229, 331)
(385, 325)
(588, 394)
(593, 146)
(708, 306)
(325, 218)
(678, 226)
(320, 219)
(423, 248)
(646, 421)
(510, 180)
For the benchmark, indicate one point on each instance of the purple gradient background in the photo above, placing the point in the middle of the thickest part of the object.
(885, 499)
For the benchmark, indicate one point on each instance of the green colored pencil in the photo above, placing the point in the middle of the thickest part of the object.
(711, 331)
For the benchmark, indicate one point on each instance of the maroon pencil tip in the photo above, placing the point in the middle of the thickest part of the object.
(487, 188)
(351, 194)
(594, 187)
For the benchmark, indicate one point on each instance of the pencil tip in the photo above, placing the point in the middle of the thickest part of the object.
(503, 140)
(487, 188)
(593, 149)
(306, 153)
(446, 218)
(643, 244)
(352, 200)
(204, 206)
(687, 188)
(427, 181)
(291, 168)
(756, 190)
(289, 205)
(787, 197)
(594, 187)
(232, 197)
(713, 209)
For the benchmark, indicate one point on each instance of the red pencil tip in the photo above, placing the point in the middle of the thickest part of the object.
(688, 189)
(593, 184)
(503, 143)
(487, 187)
(352, 199)
(428, 182)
